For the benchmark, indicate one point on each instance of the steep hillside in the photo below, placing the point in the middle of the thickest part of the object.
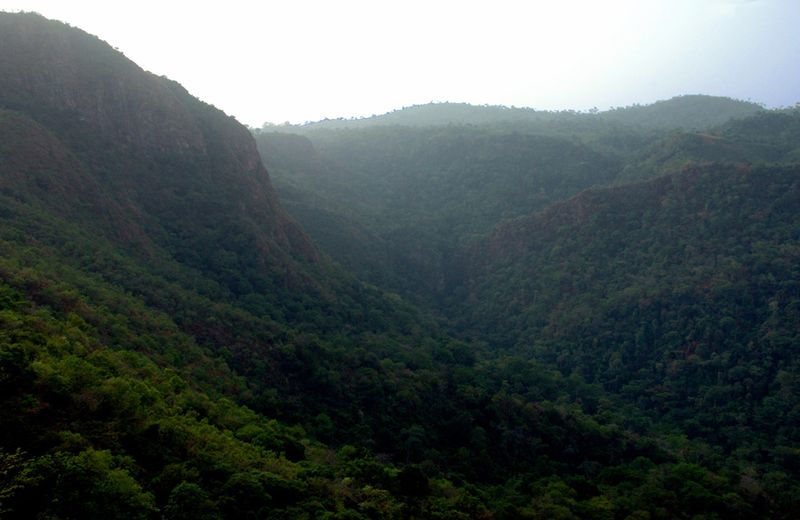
(112, 171)
(183, 166)
(144, 254)
(38, 168)
(679, 294)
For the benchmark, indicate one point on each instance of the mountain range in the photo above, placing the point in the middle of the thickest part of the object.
(444, 312)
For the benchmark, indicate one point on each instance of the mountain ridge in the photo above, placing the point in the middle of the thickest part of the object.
(686, 111)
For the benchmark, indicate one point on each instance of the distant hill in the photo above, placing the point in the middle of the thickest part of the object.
(435, 114)
(775, 129)
(679, 149)
(766, 137)
(691, 112)
(415, 184)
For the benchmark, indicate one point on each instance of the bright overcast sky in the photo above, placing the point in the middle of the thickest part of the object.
(295, 60)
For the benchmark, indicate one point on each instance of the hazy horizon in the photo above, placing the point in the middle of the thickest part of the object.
(308, 61)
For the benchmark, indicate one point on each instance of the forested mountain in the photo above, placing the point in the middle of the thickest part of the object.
(694, 112)
(393, 197)
(442, 114)
(174, 345)
(681, 296)
(776, 130)
(674, 293)
(769, 136)
(152, 285)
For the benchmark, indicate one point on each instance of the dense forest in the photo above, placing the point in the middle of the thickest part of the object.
(445, 312)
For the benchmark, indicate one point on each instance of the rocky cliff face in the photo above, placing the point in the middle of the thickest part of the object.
(67, 78)
(183, 171)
